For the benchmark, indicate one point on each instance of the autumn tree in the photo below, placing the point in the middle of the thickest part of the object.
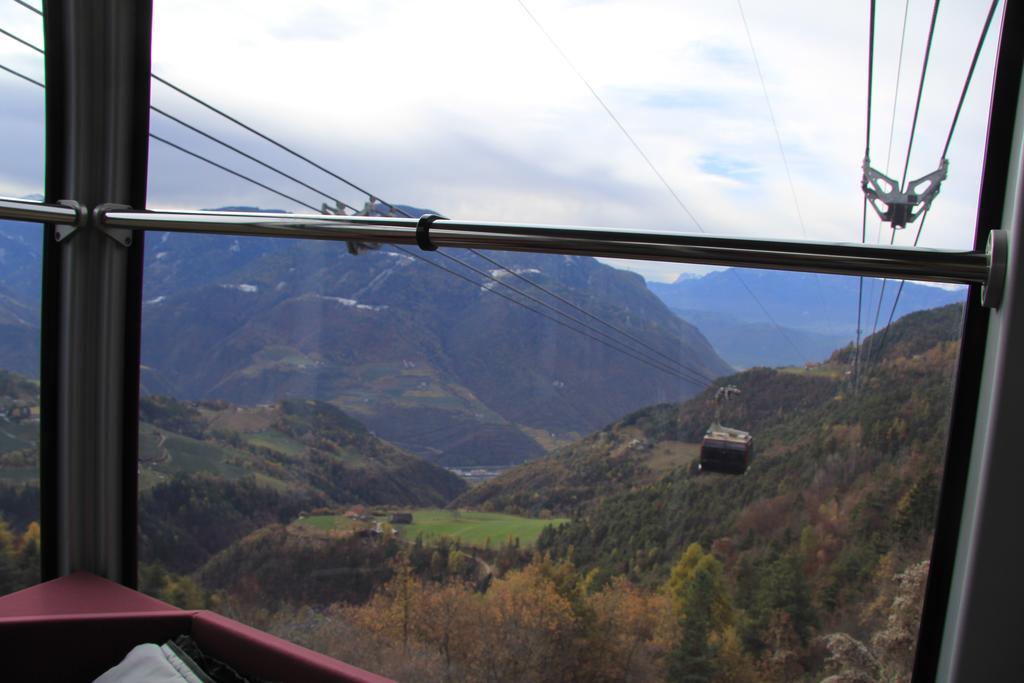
(704, 611)
(444, 620)
(681, 580)
(525, 631)
(734, 664)
(631, 634)
(9, 579)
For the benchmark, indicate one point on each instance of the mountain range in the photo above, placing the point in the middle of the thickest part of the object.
(20, 278)
(439, 365)
(444, 367)
(810, 315)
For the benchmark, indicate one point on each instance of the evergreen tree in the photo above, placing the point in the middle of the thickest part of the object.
(704, 611)
(785, 589)
(693, 660)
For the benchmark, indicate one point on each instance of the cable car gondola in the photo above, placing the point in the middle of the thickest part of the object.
(725, 449)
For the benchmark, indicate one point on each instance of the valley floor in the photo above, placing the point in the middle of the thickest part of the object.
(470, 528)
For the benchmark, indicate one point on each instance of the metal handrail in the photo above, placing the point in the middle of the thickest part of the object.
(934, 265)
(931, 265)
(39, 212)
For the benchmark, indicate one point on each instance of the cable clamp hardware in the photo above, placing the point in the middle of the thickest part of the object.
(423, 231)
(340, 208)
(899, 208)
(63, 232)
(122, 236)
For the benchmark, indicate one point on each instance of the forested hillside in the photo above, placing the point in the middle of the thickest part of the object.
(810, 564)
(211, 472)
(831, 524)
(447, 361)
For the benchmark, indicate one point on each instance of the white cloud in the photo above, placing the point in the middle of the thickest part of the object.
(465, 107)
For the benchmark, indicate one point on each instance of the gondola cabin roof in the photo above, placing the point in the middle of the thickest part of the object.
(717, 432)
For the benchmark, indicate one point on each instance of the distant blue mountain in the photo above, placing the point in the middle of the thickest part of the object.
(817, 313)
(246, 209)
(746, 344)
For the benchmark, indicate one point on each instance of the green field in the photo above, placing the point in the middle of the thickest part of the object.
(276, 441)
(471, 528)
(474, 528)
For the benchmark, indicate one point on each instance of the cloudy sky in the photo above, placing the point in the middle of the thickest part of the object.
(465, 107)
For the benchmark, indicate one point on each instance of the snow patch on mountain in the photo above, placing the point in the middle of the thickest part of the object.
(247, 288)
(351, 303)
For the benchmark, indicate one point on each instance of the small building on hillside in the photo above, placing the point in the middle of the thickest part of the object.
(400, 518)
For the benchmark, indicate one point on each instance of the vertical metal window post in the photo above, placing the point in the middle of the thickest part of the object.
(984, 618)
(986, 376)
(97, 121)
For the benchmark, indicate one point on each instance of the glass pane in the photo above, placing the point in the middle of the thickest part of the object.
(21, 175)
(396, 459)
(493, 123)
(377, 459)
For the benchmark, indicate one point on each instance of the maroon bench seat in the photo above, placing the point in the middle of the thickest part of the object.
(76, 627)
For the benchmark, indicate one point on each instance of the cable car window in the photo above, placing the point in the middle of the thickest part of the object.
(469, 463)
(21, 176)
(330, 441)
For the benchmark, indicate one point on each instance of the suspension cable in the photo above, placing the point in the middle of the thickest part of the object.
(248, 156)
(22, 41)
(540, 302)
(232, 171)
(871, 77)
(653, 168)
(782, 153)
(582, 310)
(702, 378)
(945, 150)
(553, 319)
(906, 162)
(28, 6)
(920, 91)
(702, 381)
(673, 361)
(393, 207)
(22, 76)
(895, 103)
(614, 118)
(267, 138)
(867, 157)
(970, 75)
(697, 379)
(437, 265)
(373, 197)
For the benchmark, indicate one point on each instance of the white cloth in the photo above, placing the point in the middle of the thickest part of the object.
(149, 663)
